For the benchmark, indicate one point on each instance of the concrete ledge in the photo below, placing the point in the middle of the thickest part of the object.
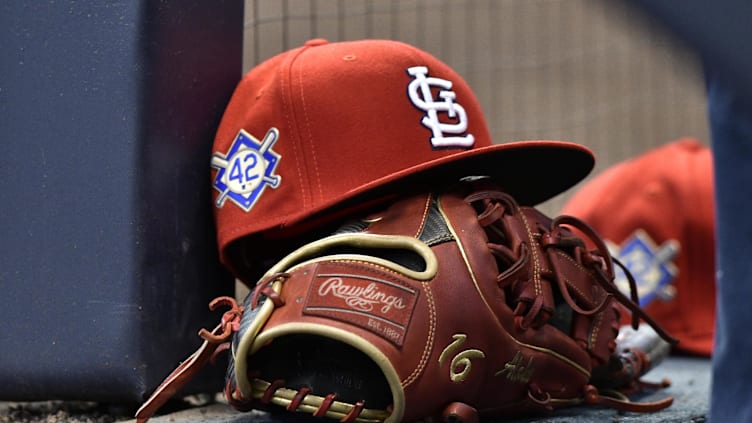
(690, 386)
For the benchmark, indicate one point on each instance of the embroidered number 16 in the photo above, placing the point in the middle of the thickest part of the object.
(461, 363)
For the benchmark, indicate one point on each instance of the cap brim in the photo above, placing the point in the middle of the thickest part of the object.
(530, 171)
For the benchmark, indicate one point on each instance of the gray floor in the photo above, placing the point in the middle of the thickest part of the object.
(690, 387)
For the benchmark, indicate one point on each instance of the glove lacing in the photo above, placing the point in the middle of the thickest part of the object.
(498, 204)
(215, 341)
(493, 206)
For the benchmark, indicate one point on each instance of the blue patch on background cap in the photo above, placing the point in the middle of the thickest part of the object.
(652, 266)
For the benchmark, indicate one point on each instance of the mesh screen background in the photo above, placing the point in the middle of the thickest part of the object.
(595, 72)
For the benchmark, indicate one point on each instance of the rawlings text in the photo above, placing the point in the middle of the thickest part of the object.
(361, 298)
(376, 304)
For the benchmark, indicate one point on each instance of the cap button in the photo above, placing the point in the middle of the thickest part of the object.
(316, 42)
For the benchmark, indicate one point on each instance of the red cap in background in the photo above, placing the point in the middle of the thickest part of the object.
(327, 126)
(656, 212)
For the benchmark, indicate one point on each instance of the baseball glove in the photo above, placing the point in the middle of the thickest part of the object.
(449, 305)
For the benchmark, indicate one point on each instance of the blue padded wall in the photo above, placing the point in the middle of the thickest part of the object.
(108, 262)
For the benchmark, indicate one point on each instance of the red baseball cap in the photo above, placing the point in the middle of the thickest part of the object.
(656, 213)
(328, 126)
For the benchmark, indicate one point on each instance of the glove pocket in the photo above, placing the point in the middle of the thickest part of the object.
(335, 343)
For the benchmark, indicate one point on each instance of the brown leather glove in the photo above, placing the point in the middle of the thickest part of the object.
(446, 305)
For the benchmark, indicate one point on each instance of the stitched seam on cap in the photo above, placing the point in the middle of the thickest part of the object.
(311, 143)
(286, 88)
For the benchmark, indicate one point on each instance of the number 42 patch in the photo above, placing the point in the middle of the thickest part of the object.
(246, 169)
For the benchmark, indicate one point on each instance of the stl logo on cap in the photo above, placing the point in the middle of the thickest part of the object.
(246, 169)
(651, 265)
(425, 101)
